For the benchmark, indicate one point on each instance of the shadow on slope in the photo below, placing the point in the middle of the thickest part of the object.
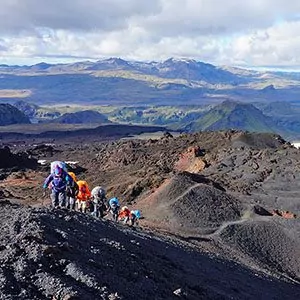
(269, 242)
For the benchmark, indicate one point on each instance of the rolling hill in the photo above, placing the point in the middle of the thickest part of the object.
(234, 115)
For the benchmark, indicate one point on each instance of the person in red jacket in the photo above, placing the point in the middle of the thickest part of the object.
(124, 214)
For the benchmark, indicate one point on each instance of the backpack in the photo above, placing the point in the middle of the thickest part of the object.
(72, 174)
(84, 191)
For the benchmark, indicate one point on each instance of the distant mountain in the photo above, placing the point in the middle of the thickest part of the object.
(82, 117)
(269, 88)
(36, 113)
(111, 64)
(190, 69)
(11, 115)
(41, 66)
(187, 69)
(278, 108)
(234, 115)
(286, 115)
(116, 81)
(29, 109)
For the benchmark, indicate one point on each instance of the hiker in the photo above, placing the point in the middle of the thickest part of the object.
(134, 216)
(98, 201)
(72, 192)
(124, 214)
(58, 181)
(83, 195)
(114, 207)
(127, 215)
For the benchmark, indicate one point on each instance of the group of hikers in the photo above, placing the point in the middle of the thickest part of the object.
(68, 192)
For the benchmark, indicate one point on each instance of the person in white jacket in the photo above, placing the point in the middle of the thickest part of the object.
(98, 201)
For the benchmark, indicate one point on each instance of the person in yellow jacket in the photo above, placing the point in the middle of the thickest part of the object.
(83, 195)
(72, 191)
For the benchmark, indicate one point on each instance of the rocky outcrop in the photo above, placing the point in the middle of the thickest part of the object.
(11, 162)
(190, 161)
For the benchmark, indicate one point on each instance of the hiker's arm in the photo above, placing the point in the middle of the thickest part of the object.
(48, 180)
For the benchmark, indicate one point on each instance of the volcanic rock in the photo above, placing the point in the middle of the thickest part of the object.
(55, 254)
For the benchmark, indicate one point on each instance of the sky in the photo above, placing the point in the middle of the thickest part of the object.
(255, 33)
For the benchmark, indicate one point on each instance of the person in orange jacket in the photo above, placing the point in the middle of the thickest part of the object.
(83, 195)
(124, 214)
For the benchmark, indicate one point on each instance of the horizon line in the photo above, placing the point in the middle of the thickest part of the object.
(263, 68)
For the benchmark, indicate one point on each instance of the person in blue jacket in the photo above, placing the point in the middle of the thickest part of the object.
(58, 182)
(114, 207)
(135, 215)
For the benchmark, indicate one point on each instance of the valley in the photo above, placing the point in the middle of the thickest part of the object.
(184, 95)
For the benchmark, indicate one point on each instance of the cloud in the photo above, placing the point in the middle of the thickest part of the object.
(255, 32)
(84, 15)
(202, 17)
(277, 45)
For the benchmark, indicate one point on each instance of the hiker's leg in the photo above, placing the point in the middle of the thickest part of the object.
(132, 220)
(83, 206)
(62, 199)
(78, 205)
(95, 210)
(72, 203)
(101, 210)
(54, 198)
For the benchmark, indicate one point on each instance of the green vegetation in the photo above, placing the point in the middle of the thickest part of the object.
(234, 115)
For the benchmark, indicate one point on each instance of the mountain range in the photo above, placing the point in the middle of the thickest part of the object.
(116, 81)
(183, 94)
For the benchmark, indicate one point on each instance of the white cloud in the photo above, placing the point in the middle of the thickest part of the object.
(26, 15)
(277, 45)
(256, 32)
